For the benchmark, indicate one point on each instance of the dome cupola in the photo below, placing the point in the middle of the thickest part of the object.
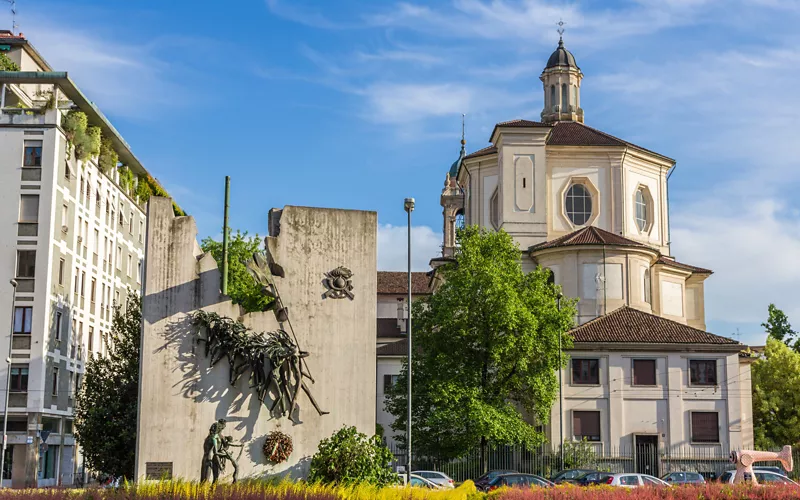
(562, 86)
(561, 57)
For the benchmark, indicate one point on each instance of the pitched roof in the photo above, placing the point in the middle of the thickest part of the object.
(396, 283)
(588, 235)
(399, 348)
(629, 325)
(482, 152)
(693, 269)
(578, 134)
(387, 328)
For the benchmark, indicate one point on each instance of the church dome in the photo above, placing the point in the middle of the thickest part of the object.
(561, 57)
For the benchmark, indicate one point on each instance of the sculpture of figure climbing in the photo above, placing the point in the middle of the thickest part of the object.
(217, 452)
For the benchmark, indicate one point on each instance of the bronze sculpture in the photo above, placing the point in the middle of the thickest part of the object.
(216, 453)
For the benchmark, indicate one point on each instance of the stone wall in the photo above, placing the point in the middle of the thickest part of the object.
(181, 396)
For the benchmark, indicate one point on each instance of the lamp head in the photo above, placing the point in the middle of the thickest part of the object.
(408, 205)
(13, 282)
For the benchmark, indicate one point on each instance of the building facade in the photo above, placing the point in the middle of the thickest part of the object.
(593, 209)
(73, 241)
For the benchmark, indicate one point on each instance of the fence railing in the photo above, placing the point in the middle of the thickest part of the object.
(710, 461)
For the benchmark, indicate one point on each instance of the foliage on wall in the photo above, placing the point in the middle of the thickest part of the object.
(126, 178)
(108, 157)
(350, 457)
(242, 288)
(6, 64)
(105, 423)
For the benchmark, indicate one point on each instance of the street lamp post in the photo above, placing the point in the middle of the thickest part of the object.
(8, 380)
(408, 205)
(560, 396)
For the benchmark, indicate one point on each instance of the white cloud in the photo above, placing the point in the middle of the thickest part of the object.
(400, 103)
(393, 247)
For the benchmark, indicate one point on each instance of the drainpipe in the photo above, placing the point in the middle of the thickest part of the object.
(605, 282)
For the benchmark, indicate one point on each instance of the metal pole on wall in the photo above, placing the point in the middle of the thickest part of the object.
(560, 398)
(225, 236)
(8, 382)
(409, 207)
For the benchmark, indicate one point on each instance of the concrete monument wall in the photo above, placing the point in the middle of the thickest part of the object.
(181, 396)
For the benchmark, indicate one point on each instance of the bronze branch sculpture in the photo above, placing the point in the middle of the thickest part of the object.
(273, 359)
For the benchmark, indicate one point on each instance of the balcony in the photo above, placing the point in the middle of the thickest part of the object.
(25, 116)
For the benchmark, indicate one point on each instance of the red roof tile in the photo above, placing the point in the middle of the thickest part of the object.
(396, 283)
(694, 269)
(588, 235)
(629, 325)
(482, 152)
(578, 134)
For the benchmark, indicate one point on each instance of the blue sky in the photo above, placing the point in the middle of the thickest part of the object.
(357, 104)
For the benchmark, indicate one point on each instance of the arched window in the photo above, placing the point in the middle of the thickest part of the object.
(494, 209)
(575, 95)
(578, 204)
(553, 100)
(564, 98)
(642, 208)
(460, 219)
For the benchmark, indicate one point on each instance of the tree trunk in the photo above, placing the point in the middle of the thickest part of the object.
(484, 456)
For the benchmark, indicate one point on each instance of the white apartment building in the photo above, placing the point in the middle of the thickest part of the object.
(73, 240)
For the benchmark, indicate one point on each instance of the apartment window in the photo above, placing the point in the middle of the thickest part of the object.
(141, 231)
(116, 298)
(121, 218)
(702, 372)
(19, 379)
(644, 371)
(59, 317)
(22, 320)
(585, 371)
(389, 381)
(94, 289)
(77, 281)
(130, 265)
(83, 283)
(96, 242)
(139, 272)
(83, 190)
(55, 381)
(88, 194)
(705, 427)
(130, 223)
(33, 154)
(91, 339)
(119, 258)
(85, 232)
(61, 264)
(98, 198)
(646, 284)
(64, 214)
(26, 263)
(29, 208)
(586, 425)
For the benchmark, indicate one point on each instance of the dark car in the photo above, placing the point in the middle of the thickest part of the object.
(569, 475)
(519, 481)
(683, 478)
(482, 483)
(593, 478)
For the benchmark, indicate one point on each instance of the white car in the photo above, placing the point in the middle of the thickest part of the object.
(437, 477)
(634, 480)
(762, 476)
(420, 482)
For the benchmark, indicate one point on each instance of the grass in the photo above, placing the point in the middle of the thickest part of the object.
(263, 490)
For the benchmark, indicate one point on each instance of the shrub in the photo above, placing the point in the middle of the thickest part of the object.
(350, 457)
(6, 64)
(108, 158)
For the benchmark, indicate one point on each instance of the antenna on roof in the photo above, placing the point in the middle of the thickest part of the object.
(14, 25)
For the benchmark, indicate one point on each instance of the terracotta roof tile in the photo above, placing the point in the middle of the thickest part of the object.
(399, 348)
(588, 235)
(694, 269)
(578, 134)
(482, 152)
(629, 325)
(387, 328)
(396, 283)
(522, 123)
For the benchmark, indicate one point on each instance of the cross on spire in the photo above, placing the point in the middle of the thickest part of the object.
(560, 30)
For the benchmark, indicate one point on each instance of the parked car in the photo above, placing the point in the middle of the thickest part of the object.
(593, 478)
(683, 478)
(569, 475)
(482, 483)
(633, 480)
(420, 482)
(519, 481)
(437, 477)
(763, 476)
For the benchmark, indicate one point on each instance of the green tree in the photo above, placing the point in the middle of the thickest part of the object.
(776, 396)
(105, 418)
(6, 64)
(242, 288)
(350, 457)
(779, 328)
(486, 352)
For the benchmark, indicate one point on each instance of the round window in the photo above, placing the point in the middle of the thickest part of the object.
(579, 204)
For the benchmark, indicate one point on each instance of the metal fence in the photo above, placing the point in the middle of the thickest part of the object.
(710, 461)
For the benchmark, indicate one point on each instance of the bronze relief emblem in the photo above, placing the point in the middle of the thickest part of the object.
(339, 283)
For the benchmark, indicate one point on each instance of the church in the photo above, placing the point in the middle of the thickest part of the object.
(644, 374)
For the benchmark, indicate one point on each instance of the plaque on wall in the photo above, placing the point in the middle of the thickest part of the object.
(158, 470)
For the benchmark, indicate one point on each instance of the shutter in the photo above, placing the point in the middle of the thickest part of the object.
(705, 427)
(586, 424)
(644, 372)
